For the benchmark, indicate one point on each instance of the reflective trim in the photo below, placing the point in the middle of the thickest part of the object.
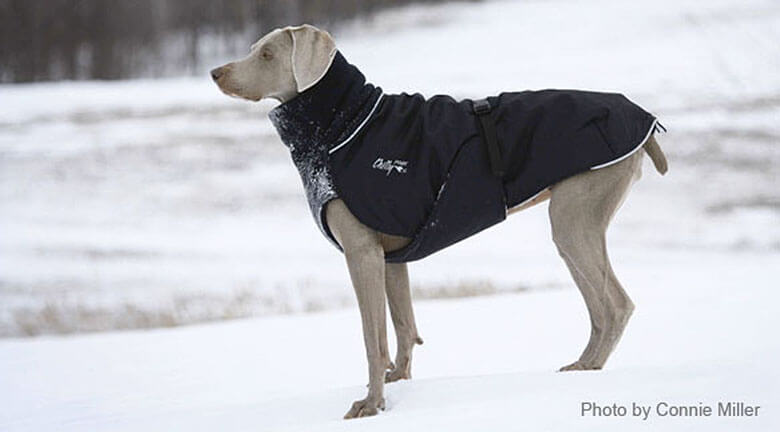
(649, 132)
(360, 126)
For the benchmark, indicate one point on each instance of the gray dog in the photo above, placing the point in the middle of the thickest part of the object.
(292, 65)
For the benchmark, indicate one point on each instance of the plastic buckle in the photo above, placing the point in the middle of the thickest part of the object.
(481, 106)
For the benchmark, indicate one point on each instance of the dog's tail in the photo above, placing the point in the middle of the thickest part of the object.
(656, 155)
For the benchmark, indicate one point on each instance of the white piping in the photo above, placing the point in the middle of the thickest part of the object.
(360, 126)
(649, 132)
(652, 127)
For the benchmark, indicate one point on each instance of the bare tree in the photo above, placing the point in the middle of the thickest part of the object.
(111, 39)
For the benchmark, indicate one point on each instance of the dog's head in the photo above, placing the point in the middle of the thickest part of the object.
(280, 65)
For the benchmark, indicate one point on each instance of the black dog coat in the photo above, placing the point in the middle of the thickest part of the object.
(419, 168)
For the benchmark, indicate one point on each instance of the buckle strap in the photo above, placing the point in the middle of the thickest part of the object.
(481, 106)
(482, 110)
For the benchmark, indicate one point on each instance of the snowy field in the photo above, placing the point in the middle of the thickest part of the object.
(157, 203)
(487, 365)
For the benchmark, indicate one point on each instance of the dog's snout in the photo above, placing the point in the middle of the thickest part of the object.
(216, 73)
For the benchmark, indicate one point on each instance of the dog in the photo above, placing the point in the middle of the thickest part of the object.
(301, 67)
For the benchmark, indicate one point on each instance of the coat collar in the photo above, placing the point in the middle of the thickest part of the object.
(328, 112)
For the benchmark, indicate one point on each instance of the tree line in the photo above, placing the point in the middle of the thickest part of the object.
(115, 39)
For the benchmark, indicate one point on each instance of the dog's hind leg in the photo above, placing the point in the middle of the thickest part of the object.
(581, 208)
(400, 299)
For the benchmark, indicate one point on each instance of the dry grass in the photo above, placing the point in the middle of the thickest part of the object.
(62, 317)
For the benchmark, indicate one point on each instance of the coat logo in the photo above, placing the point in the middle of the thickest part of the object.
(390, 165)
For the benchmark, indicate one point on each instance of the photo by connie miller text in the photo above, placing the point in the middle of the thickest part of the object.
(668, 409)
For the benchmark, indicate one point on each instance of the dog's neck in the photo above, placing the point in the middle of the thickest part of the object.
(319, 119)
(284, 96)
(329, 111)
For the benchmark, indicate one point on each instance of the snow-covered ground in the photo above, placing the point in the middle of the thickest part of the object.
(154, 203)
(487, 365)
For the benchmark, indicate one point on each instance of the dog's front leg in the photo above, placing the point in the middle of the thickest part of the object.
(399, 298)
(366, 262)
(366, 268)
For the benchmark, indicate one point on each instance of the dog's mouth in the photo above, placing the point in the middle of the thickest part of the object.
(235, 93)
(226, 90)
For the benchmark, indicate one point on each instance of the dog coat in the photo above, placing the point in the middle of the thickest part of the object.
(419, 168)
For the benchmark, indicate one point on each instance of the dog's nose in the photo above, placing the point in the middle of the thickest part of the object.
(216, 73)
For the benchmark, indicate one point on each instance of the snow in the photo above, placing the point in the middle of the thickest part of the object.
(157, 203)
(487, 364)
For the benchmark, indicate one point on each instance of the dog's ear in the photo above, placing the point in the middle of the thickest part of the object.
(313, 51)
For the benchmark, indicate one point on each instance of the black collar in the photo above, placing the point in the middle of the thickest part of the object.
(328, 112)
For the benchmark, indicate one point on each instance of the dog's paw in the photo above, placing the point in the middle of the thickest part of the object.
(397, 373)
(365, 408)
(578, 366)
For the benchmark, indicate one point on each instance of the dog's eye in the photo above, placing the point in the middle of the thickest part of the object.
(266, 54)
